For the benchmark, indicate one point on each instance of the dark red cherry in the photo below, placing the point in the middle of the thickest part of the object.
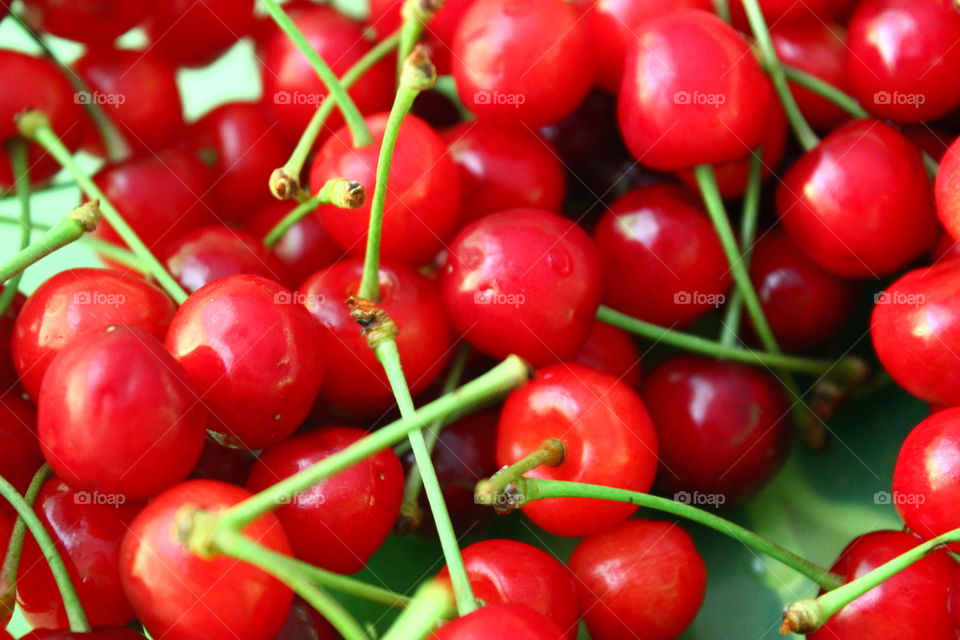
(902, 61)
(357, 382)
(504, 166)
(510, 572)
(117, 415)
(8, 375)
(932, 139)
(20, 455)
(209, 253)
(612, 351)
(177, 594)
(692, 93)
(948, 189)
(304, 249)
(254, 356)
(640, 579)
(661, 232)
(439, 30)
(103, 633)
(607, 436)
(722, 428)
(423, 197)
(524, 281)
(340, 522)
(225, 464)
(786, 11)
(859, 204)
(945, 248)
(79, 301)
(193, 34)
(910, 605)
(524, 61)
(87, 529)
(93, 22)
(500, 621)
(306, 623)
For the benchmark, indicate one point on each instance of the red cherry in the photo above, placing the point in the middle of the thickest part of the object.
(209, 253)
(253, 355)
(786, 11)
(439, 31)
(340, 522)
(504, 572)
(177, 594)
(902, 61)
(859, 204)
(500, 621)
(93, 22)
(522, 60)
(692, 93)
(945, 248)
(423, 197)
(722, 427)
(218, 462)
(20, 455)
(357, 382)
(661, 232)
(87, 532)
(948, 190)
(79, 301)
(8, 376)
(910, 605)
(504, 166)
(607, 435)
(612, 351)
(523, 281)
(306, 623)
(193, 34)
(642, 579)
(104, 633)
(117, 415)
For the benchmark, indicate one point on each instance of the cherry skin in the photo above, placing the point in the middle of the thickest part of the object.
(500, 621)
(117, 414)
(523, 281)
(20, 455)
(504, 166)
(607, 435)
(945, 248)
(94, 22)
(641, 579)
(254, 357)
(902, 62)
(859, 204)
(612, 351)
(8, 375)
(439, 31)
(948, 190)
(193, 35)
(340, 522)
(177, 594)
(910, 605)
(423, 198)
(722, 427)
(662, 232)
(524, 61)
(79, 301)
(225, 464)
(510, 572)
(786, 11)
(357, 382)
(692, 93)
(87, 533)
(104, 633)
(306, 623)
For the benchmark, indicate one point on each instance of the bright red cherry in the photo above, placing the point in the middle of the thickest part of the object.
(254, 356)
(910, 605)
(357, 382)
(612, 351)
(87, 530)
(607, 436)
(117, 415)
(722, 428)
(860, 203)
(306, 623)
(641, 579)
(948, 189)
(500, 621)
(79, 301)
(523, 281)
(504, 166)
(524, 61)
(104, 633)
(177, 594)
(94, 22)
(340, 522)
(423, 196)
(304, 249)
(903, 62)
(20, 455)
(692, 93)
(511, 572)
(193, 34)
(439, 30)
(661, 232)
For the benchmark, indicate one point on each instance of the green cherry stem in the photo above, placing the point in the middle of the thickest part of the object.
(11, 561)
(21, 176)
(490, 491)
(108, 249)
(339, 192)
(351, 114)
(415, 15)
(350, 586)
(722, 9)
(826, 90)
(430, 604)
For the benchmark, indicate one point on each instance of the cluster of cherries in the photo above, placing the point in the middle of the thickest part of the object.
(574, 187)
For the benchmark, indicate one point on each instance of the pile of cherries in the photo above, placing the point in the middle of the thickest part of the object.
(558, 180)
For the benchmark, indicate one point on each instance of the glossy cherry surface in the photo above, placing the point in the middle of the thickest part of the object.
(254, 356)
(612, 351)
(523, 281)
(340, 522)
(117, 415)
(607, 436)
(95, 22)
(177, 594)
(423, 197)
(641, 579)
(438, 32)
(193, 34)
(87, 530)
(304, 249)
(20, 455)
(500, 621)
(692, 93)
(948, 189)
(8, 375)
(786, 11)
(722, 428)
(661, 232)
(522, 60)
(225, 464)
(104, 633)
(79, 301)
(859, 204)
(306, 623)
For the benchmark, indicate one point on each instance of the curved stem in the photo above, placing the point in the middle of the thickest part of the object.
(9, 193)
(81, 220)
(826, 90)
(339, 192)
(414, 14)
(350, 586)
(431, 603)
(21, 176)
(489, 491)
(11, 561)
(108, 249)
